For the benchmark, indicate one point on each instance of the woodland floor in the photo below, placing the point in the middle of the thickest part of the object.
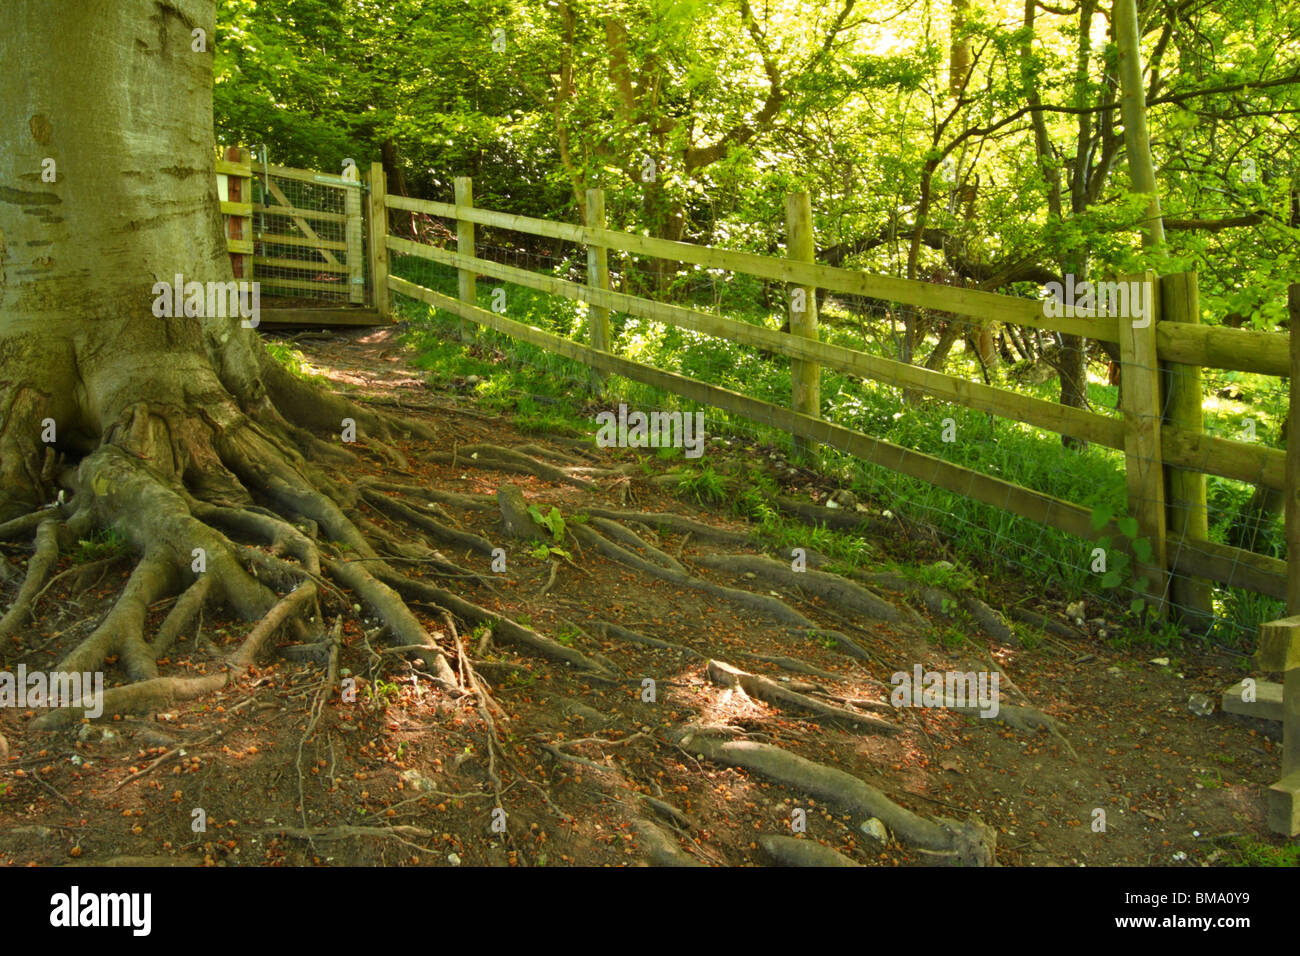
(1176, 787)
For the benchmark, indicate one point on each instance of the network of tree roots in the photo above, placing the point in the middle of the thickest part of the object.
(623, 666)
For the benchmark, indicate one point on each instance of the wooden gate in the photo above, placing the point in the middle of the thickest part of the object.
(302, 235)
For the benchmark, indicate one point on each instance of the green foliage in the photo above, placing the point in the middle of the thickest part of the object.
(943, 574)
(1247, 851)
(293, 361)
(100, 545)
(380, 692)
(704, 485)
(951, 637)
(552, 522)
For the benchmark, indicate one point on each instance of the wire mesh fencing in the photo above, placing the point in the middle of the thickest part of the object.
(309, 236)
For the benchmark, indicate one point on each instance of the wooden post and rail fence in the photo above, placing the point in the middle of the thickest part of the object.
(1160, 431)
(1166, 451)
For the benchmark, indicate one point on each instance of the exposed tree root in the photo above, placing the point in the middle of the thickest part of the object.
(81, 576)
(38, 571)
(665, 811)
(990, 621)
(965, 844)
(439, 531)
(138, 698)
(629, 537)
(485, 705)
(617, 632)
(24, 526)
(502, 628)
(1025, 719)
(121, 632)
(777, 610)
(661, 849)
(503, 459)
(610, 631)
(453, 498)
(841, 592)
(293, 603)
(676, 523)
(1046, 624)
(839, 519)
(326, 687)
(539, 452)
(941, 602)
(282, 537)
(791, 851)
(399, 833)
(402, 626)
(772, 607)
(796, 665)
(774, 693)
(550, 580)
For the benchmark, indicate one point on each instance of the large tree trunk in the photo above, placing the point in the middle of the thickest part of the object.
(162, 428)
(127, 138)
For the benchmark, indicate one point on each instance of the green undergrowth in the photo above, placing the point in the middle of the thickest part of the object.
(102, 544)
(294, 361)
(548, 394)
(1245, 851)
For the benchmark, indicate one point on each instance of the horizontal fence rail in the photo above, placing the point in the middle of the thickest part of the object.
(971, 302)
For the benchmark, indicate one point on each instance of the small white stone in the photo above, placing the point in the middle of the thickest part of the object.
(453, 859)
(876, 831)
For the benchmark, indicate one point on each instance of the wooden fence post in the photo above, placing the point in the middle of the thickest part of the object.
(805, 376)
(467, 286)
(1279, 641)
(1186, 505)
(597, 278)
(1143, 464)
(1293, 463)
(1279, 650)
(236, 165)
(352, 237)
(379, 242)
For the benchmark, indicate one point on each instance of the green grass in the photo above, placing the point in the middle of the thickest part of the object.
(102, 544)
(293, 360)
(1249, 852)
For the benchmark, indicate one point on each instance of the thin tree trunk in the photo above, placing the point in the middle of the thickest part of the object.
(1133, 105)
